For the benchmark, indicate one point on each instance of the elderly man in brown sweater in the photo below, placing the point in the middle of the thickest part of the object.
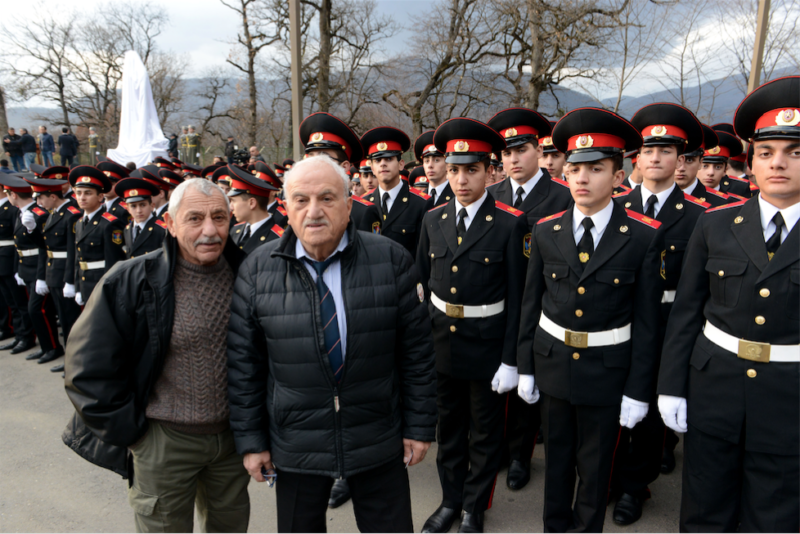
(147, 373)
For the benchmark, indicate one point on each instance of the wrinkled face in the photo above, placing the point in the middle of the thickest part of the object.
(522, 162)
(658, 163)
(593, 183)
(711, 174)
(554, 163)
(435, 168)
(776, 166)
(318, 208)
(687, 170)
(140, 211)
(89, 198)
(201, 227)
(468, 182)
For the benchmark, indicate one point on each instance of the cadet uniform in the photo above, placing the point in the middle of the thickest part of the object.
(183, 144)
(589, 328)
(696, 189)
(115, 173)
(248, 236)
(146, 237)
(732, 351)
(729, 146)
(442, 193)
(472, 263)
(166, 179)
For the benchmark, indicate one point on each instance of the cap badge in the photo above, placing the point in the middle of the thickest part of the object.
(584, 257)
(658, 131)
(107, 173)
(85, 179)
(493, 155)
(133, 193)
(714, 150)
(463, 146)
(316, 138)
(547, 141)
(584, 141)
(511, 132)
(788, 117)
(58, 176)
(382, 146)
(356, 175)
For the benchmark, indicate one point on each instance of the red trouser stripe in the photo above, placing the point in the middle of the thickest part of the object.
(613, 457)
(47, 323)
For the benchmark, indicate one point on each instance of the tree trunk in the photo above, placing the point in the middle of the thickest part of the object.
(323, 75)
(537, 53)
(3, 116)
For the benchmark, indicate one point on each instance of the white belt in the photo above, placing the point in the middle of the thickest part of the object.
(752, 350)
(7, 243)
(668, 296)
(89, 265)
(57, 254)
(459, 311)
(29, 252)
(582, 340)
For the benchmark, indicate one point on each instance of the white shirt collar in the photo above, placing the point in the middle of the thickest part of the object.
(790, 216)
(161, 209)
(300, 252)
(3, 200)
(142, 225)
(269, 207)
(661, 197)
(256, 225)
(392, 192)
(527, 186)
(91, 215)
(26, 206)
(439, 189)
(689, 188)
(600, 220)
(472, 209)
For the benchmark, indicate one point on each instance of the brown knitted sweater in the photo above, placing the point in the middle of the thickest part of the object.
(191, 395)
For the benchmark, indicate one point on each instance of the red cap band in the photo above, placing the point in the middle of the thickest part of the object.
(595, 140)
(89, 180)
(112, 175)
(662, 130)
(267, 178)
(519, 130)
(325, 136)
(160, 185)
(45, 188)
(779, 117)
(718, 151)
(250, 188)
(383, 146)
(454, 146)
(137, 193)
(546, 141)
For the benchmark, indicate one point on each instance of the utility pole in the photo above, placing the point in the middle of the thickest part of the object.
(297, 66)
(758, 46)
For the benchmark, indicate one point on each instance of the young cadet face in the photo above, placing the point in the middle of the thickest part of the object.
(140, 211)
(358, 189)
(554, 163)
(522, 162)
(387, 170)
(369, 181)
(89, 198)
(242, 207)
(593, 183)
(468, 182)
(658, 163)
(686, 171)
(710, 174)
(491, 176)
(224, 186)
(776, 166)
(435, 169)
(47, 201)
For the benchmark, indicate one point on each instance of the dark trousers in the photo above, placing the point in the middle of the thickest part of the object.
(578, 439)
(5, 315)
(43, 315)
(470, 436)
(66, 160)
(381, 500)
(523, 421)
(638, 460)
(68, 310)
(17, 299)
(728, 488)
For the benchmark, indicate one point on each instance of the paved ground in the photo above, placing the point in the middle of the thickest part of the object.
(45, 487)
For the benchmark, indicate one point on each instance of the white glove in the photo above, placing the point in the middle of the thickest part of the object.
(28, 220)
(69, 291)
(527, 389)
(673, 412)
(18, 278)
(632, 412)
(505, 379)
(41, 288)
(79, 299)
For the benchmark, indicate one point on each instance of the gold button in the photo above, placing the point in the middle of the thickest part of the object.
(432, 255)
(764, 292)
(721, 274)
(486, 260)
(579, 313)
(616, 280)
(760, 319)
(453, 290)
(452, 328)
(404, 230)
(557, 227)
(554, 275)
(627, 204)
(751, 373)
(581, 290)
(672, 247)
(726, 183)
(576, 356)
(83, 278)
(678, 206)
(454, 268)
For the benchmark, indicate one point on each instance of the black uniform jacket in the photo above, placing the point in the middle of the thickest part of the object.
(709, 196)
(279, 214)
(365, 215)
(549, 195)
(738, 186)
(58, 236)
(28, 266)
(621, 284)
(264, 234)
(149, 239)
(444, 198)
(403, 223)
(729, 281)
(8, 252)
(488, 267)
(160, 214)
(101, 240)
(119, 210)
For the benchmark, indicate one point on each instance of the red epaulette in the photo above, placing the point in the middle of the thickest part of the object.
(404, 178)
(441, 206)
(551, 217)
(624, 188)
(161, 223)
(277, 230)
(123, 205)
(733, 195)
(362, 201)
(753, 187)
(740, 179)
(38, 211)
(560, 181)
(107, 216)
(419, 193)
(652, 223)
(282, 211)
(697, 201)
(622, 194)
(720, 194)
(507, 208)
(280, 201)
(73, 210)
(726, 206)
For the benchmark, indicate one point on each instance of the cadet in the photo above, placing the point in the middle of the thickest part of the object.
(635, 178)
(593, 289)
(731, 359)
(668, 130)
(715, 163)
(249, 197)
(169, 181)
(113, 203)
(169, 164)
(418, 180)
(94, 146)
(737, 165)
(401, 208)
(57, 237)
(435, 170)
(98, 235)
(322, 133)
(144, 233)
(686, 173)
(221, 177)
(182, 153)
(471, 260)
(261, 170)
(552, 159)
(368, 179)
(355, 180)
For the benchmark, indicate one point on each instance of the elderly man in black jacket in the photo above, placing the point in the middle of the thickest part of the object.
(146, 372)
(331, 363)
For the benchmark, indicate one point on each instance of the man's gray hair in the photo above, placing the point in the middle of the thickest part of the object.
(205, 187)
(298, 167)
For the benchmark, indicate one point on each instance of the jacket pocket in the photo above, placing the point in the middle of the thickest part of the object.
(615, 287)
(700, 356)
(556, 277)
(438, 262)
(676, 248)
(725, 277)
(542, 344)
(141, 502)
(491, 266)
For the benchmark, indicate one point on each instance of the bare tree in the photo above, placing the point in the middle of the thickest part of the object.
(167, 73)
(137, 24)
(216, 91)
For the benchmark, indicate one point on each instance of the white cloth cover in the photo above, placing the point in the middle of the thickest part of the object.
(140, 135)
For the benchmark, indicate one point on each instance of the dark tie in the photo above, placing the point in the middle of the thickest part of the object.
(385, 205)
(85, 222)
(520, 192)
(328, 312)
(461, 226)
(650, 207)
(586, 244)
(246, 235)
(774, 240)
(135, 232)
(433, 196)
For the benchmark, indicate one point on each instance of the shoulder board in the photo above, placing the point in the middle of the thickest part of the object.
(161, 223)
(624, 188)
(419, 193)
(652, 223)
(282, 211)
(726, 206)
(560, 181)
(508, 209)
(441, 206)
(360, 200)
(740, 198)
(745, 180)
(38, 211)
(107, 216)
(695, 200)
(123, 205)
(73, 210)
(622, 194)
(753, 187)
(277, 230)
(551, 217)
(280, 201)
(716, 193)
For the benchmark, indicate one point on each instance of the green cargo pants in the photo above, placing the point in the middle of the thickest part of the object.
(173, 471)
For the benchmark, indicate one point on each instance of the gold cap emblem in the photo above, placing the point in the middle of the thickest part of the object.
(658, 131)
(493, 155)
(382, 146)
(584, 257)
(133, 193)
(788, 117)
(58, 176)
(107, 173)
(511, 132)
(85, 179)
(584, 141)
(714, 150)
(317, 137)
(547, 141)
(462, 146)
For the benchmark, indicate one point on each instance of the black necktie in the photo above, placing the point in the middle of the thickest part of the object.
(586, 244)
(385, 205)
(774, 240)
(650, 207)
(520, 192)
(86, 221)
(461, 226)
(135, 232)
(433, 196)
(246, 234)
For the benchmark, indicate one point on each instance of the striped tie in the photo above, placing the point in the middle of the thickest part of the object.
(328, 311)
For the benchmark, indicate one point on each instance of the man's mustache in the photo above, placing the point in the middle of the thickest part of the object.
(323, 222)
(208, 241)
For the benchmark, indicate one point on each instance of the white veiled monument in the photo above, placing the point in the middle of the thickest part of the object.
(140, 135)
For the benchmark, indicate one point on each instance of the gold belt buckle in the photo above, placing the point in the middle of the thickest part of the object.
(579, 340)
(20, 253)
(755, 352)
(83, 265)
(49, 254)
(454, 310)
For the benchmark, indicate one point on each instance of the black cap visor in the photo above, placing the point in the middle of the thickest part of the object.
(461, 158)
(777, 132)
(520, 140)
(385, 154)
(587, 155)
